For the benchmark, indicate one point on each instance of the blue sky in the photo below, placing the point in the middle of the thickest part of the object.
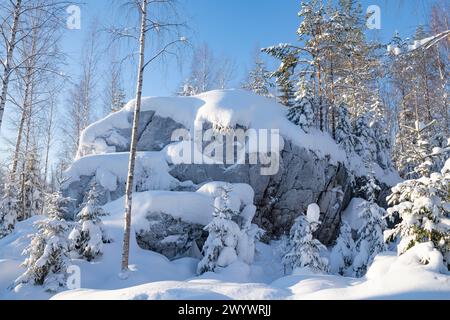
(236, 27)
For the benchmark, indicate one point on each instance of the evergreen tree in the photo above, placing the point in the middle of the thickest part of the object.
(31, 191)
(187, 89)
(48, 258)
(341, 256)
(423, 205)
(89, 235)
(418, 80)
(305, 251)
(259, 79)
(284, 75)
(370, 239)
(219, 249)
(9, 210)
(302, 112)
(344, 131)
(427, 150)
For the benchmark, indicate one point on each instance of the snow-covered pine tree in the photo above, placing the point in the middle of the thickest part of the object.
(302, 112)
(9, 210)
(304, 250)
(48, 257)
(284, 74)
(430, 150)
(372, 143)
(423, 205)
(31, 192)
(187, 89)
(418, 77)
(89, 235)
(356, 60)
(370, 239)
(344, 130)
(258, 80)
(219, 249)
(341, 256)
(366, 147)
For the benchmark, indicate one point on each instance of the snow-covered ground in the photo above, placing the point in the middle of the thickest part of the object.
(153, 276)
(417, 274)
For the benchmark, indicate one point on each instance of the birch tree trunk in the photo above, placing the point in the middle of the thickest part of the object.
(134, 138)
(49, 138)
(9, 55)
(20, 131)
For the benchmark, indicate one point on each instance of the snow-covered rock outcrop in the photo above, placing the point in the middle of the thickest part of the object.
(311, 167)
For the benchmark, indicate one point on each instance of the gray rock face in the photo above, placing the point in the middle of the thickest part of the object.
(303, 178)
(171, 237)
(157, 134)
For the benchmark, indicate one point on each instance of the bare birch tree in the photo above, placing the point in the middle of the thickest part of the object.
(13, 31)
(226, 72)
(114, 94)
(10, 46)
(40, 61)
(82, 103)
(149, 24)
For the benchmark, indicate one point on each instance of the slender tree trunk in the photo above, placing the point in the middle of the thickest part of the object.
(23, 117)
(443, 79)
(319, 89)
(26, 213)
(134, 138)
(9, 55)
(49, 139)
(333, 110)
(19, 139)
(428, 115)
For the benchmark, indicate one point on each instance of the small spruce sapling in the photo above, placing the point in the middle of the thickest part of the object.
(48, 252)
(219, 249)
(423, 206)
(9, 210)
(370, 238)
(302, 111)
(341, 256)
(89, 235)
(305, 251)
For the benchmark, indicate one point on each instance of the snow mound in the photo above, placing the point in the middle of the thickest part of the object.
(446, 168)
(111, 169)
(241, 191)
(313, 213)
(223, 108)
(190, 207)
